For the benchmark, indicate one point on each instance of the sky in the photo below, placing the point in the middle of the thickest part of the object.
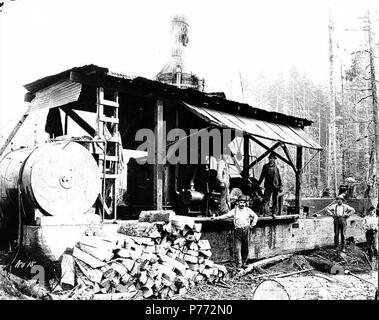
(226, 38)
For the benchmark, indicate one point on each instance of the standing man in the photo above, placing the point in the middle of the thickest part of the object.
(370, 224)
(224, 180)
(273, 185)
(340, 212)
(244, 220)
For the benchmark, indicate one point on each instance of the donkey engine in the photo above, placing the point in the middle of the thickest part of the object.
(60, 179)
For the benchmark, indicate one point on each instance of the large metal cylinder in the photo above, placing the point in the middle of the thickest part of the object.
(59, 179)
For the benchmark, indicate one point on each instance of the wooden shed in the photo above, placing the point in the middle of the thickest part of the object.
(111, 109)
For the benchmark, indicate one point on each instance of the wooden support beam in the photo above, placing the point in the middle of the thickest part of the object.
(267, 148)
(262, 156)
(286, 151)
(80, 121)
(159, 151)
(13, 133)
(246, 158)
(299, 165)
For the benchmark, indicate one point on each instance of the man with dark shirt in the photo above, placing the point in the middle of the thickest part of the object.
(273, 185)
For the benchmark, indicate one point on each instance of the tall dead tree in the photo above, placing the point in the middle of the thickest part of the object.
(374, 99)
(332, 158)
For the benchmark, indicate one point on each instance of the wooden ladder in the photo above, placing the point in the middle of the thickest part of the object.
(107, 130)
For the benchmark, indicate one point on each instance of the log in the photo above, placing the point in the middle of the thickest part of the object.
(123, 253)
(93, 275)
(197, 227)
(206, 253)
(193, 246)
(29, 288)
(180, 222)
(197, 236)
(68, 270)
(81, 278)
(125, 278)
(120, 268)
(209, 263)
(264, 263)
(325, 265)
(147, 292)
(193, 253)
(98, 253)
(156, 215)
(204, 245)
(190, 259)
(144, 241)
(337, 269)
(128, 263)
(143, 277)
(98, 242)
(87, 258)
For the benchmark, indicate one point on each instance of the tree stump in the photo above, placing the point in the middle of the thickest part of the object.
(292, 289)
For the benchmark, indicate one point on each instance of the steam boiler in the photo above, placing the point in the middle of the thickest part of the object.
(60, 179)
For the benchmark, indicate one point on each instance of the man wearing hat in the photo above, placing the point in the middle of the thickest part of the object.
(273, 184)
(244, 220)
(340, 212)
(370, 224)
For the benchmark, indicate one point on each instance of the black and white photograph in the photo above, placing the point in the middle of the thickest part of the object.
(207, 153)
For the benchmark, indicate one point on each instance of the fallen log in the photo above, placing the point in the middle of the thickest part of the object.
(29, 288)
(324, 265)
(264, 263)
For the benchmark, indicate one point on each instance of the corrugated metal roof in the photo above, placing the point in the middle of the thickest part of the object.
(259, 128)
(55, 95)
(98, 76)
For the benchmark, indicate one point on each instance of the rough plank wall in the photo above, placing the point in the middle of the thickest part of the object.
(270, 240)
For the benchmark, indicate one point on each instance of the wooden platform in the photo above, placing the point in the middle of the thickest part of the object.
(285, 234)
(279, 236)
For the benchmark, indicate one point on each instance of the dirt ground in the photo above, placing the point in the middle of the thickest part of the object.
(335, 287)
(234, 287)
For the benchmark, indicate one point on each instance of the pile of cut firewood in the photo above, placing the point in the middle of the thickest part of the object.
(126, 266)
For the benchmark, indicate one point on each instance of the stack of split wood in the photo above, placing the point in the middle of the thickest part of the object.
(125, 266)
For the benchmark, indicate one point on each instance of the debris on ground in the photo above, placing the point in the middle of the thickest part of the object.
(358, 282)
(168, 259)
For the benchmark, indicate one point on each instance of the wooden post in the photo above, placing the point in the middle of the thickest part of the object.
(299, 164)
(159, 152)
(246, 157)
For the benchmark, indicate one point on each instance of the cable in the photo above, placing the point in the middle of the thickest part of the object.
(325, 207)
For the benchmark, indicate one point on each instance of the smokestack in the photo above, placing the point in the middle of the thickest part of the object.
(174, 72)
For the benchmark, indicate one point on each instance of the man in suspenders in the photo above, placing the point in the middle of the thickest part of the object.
(244, 220)
(340, 212)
